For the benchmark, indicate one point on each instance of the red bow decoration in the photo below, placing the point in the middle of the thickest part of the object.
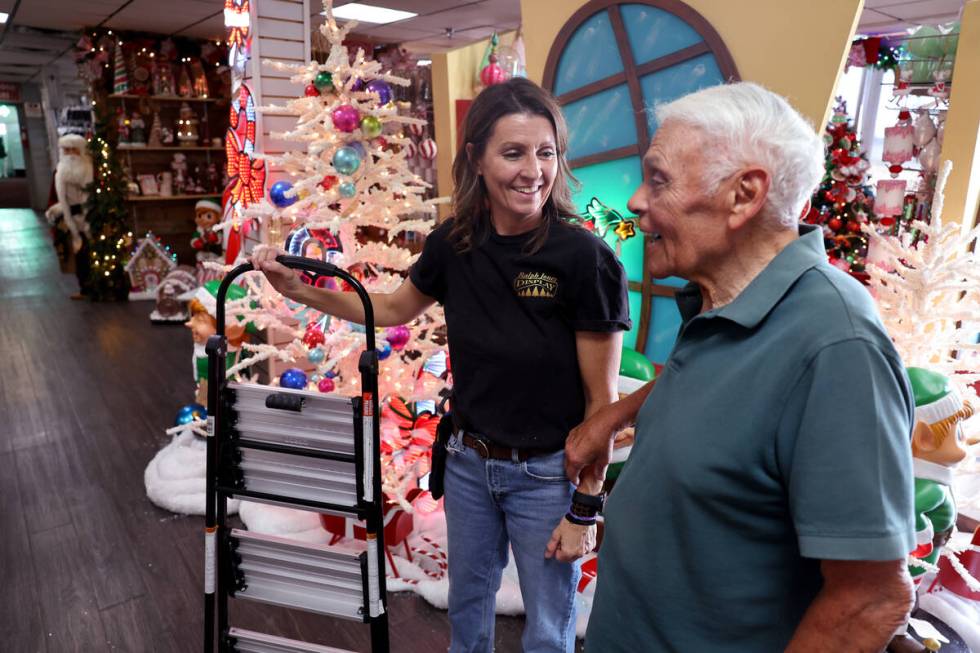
(418, 430)
(246, 176)
(238, 35)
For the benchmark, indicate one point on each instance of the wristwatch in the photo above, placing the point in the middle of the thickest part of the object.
(590, 501)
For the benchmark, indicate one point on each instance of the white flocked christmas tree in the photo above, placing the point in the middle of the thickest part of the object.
(347, 198)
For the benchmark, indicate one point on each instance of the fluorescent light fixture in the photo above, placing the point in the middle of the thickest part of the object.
(3, 17)
(363, 13)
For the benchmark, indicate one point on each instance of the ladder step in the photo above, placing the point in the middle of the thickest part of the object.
(296, 504)
(249, 641)
(312, 577)
(324, 423)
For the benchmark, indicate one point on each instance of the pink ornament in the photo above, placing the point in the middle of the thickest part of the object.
(492, 74)
(398, 336)
(899, 141)
(428, 149)
(325, 385)
(889, 197)
(411, 150)
(418, 131)
(346, 118)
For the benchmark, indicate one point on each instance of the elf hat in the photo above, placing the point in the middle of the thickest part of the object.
(208, 296)
(935, 400)
(210, 205)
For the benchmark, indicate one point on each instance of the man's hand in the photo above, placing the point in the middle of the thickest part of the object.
(590, 444)
(284, 280)
(570, 541)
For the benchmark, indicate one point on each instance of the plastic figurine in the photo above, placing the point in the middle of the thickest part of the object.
(206, 241)
(938, 446)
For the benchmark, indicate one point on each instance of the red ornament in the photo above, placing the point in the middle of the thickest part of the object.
(313, 336)
(886, 221)
(328, 182)
(834, 224)
(853, 226)
(904, 115)
(894, 169)
(312, 91)
(381, 143)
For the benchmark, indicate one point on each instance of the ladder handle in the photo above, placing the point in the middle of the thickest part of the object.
(318, 268)
(283, 401)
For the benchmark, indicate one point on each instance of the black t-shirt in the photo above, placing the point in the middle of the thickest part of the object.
(511, 319)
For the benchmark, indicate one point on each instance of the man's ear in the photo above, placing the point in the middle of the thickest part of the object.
(472, 159)
(751, 188)
(922, 439)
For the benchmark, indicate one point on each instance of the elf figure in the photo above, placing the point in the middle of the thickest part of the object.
(203, 324)
(206, 241)
(938, 445)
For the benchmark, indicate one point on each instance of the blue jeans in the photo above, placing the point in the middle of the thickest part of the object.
(488, 504)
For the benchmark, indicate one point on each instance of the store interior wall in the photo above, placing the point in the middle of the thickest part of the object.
(453, 78)
(962, 132)
(796, 48)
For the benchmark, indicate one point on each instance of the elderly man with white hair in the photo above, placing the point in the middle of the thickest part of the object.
(767, 502)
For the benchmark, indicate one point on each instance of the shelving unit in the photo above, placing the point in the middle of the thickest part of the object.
(171, 217)
(163, 98)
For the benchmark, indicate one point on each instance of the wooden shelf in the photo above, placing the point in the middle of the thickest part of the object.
(164, 98)
(171, 198)
(171, 148)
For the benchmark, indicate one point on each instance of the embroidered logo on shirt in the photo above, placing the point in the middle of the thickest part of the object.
(535, 284)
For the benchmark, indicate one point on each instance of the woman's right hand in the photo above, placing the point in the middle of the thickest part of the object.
(284, 280)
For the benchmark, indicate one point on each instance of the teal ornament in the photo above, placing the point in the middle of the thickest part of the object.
(316, 356)
(315, 378)
(346, 160)
(347, 189)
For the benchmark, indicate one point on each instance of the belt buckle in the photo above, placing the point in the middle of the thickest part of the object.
(483, 450)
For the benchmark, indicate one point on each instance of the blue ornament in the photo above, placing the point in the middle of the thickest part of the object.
(315, 356)
(348, 189)
(190, 413)
(330, 374)
(346, 160)
(278, 194)
(384, 351)
(380, 87)
(359, 146)
(293, 378)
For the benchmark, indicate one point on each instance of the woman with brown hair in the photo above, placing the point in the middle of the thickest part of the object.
(535, 309)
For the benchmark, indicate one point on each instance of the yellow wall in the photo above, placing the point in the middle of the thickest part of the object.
(794, 47)
(453, 76)
(962, 134)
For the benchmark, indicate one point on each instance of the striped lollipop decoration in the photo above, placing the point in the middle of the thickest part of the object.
(416, 130)
(120, 83)
(411, 150)
(428, 149)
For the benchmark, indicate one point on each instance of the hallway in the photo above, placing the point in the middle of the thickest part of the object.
(88, 563)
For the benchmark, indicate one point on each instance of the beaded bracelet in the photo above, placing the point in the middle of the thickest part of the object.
(580, 521)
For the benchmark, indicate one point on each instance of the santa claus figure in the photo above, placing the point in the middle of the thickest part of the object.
(73, 175)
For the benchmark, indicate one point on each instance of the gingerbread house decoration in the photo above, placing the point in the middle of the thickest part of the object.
(147, 267)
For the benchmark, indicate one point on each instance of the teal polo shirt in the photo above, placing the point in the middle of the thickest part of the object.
(776, 436)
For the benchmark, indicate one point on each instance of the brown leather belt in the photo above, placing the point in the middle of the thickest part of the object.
(488, 449)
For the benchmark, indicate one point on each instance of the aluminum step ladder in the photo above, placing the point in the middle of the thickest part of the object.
(297, 449)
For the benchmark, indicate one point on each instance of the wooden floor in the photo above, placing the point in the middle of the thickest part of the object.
(87, 563)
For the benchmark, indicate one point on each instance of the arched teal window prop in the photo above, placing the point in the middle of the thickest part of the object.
(612, 62)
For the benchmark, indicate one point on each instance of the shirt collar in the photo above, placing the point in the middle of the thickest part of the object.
(768, 287)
